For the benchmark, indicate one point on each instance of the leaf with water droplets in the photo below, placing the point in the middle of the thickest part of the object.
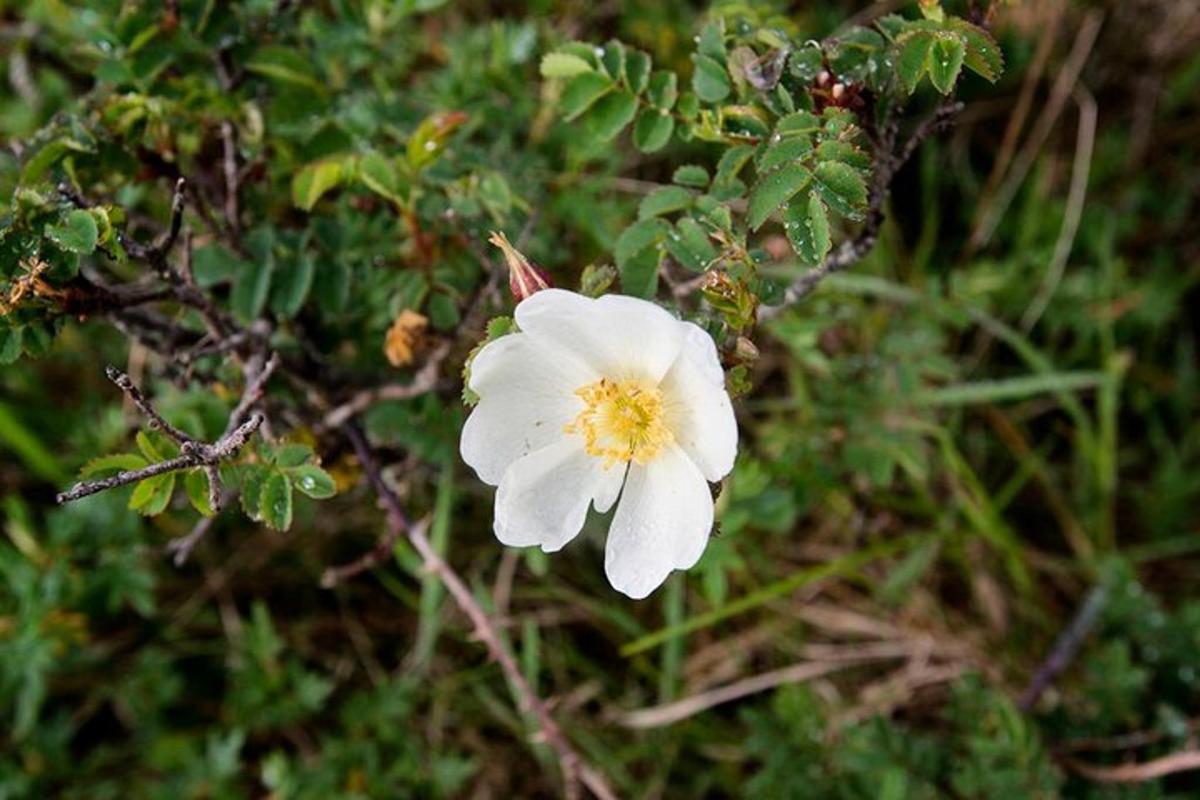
(276, 501)
(807, 226)
(945, 61)
(774, 190)
(313, 481)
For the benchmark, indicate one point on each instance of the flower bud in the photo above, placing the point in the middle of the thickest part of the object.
(523, 277)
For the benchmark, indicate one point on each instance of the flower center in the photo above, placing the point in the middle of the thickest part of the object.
(621, 421)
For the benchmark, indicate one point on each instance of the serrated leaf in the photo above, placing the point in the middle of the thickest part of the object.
(563, 65)
(807, 226)
(637, 70)
(710, 81)
(664, 200)
(276, 502)
(116, 462)
(292, 454)
(784, 152)
(313, 481)
(652, 130)
(195, 484)
(773, 190)
(151, 496)
(315, 179)
(253, 477)
(76, 232)
(663, 90)
(613, 60)
(731, 163)
(945, 62)
(689, 245)
(379, 174)
(290, 286)
(837, 150)
(148, 447)
(983, 55)
(799, 122)
(582, 91)
(637, 256)
(842, 187)
(691, 175)
(609, 116)
(913, 59)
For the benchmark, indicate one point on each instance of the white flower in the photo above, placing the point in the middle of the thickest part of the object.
(595, 399)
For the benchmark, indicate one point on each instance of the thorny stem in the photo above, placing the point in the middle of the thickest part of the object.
(574, 769)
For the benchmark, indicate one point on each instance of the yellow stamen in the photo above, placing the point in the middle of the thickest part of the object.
(621, 421)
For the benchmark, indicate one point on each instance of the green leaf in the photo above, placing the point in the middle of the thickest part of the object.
(732, 163)
(690, 246)
(783, 152)
(313, 481)
(75, 233)
(711, 41)
(314, 180)
(837, 150)
(582, 91)
(799, 122)
(379, 174)
(983, 56)
(710, 81)
(613, 60)
(913, 60)
(610, 115)
(563, 65)
(652, 130)
(254, 476)
(663, 90)
(807, 226)
(691, 175)
(251, 289)
(664, 200)
(117, 462)
(151, 496)
(285, 65)
(637, 256)
(290, 287)
(148, 447)
(843, 188)
(637, 70)
(276, 503)
(195, 483)
(774, 190)
(945, 62)
(292, 454)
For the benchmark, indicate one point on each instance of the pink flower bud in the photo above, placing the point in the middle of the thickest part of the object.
(523, 277)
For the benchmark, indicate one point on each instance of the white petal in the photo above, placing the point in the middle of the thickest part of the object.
(662, 523)
(543, 498)
(526, 394)
(621, 337)
(697, 407)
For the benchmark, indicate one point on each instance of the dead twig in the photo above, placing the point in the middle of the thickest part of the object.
(425, 380)
(574, 770)
(1065, 647)
(1137, 773)
(193, 453)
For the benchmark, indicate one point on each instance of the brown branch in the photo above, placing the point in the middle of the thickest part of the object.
(573, 768)
(193, 453)
(1137, 773)
(1065, 647)
(425, 380)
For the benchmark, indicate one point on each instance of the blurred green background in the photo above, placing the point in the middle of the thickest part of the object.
(979, 436)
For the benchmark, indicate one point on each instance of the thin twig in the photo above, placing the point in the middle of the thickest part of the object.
(1137, 773)
(192, 454)
(1085, 140)
(424, 381)
(573, 768)
(1065, 647)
